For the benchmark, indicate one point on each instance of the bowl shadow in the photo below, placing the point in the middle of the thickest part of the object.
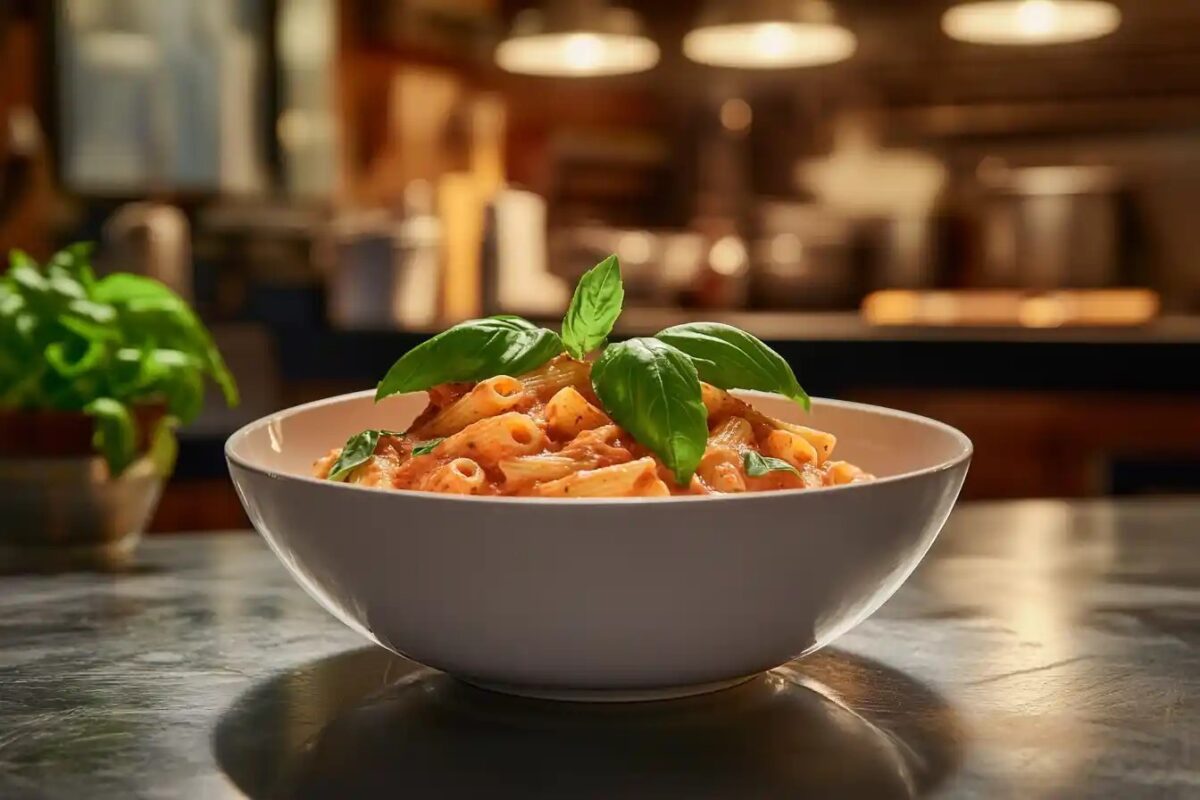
(366, 723)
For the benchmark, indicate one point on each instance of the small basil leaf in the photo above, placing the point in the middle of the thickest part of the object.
(730, 358)
(652, 390)
(594, 308)
(758, 465)
(164, 447)
(472, 351)
(74, 358)
(425, 448)
(114, 435)
(75, 262)
(358, 450)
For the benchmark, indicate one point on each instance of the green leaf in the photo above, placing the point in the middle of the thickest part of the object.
(357, 451)
(472, 351)
(175, 377)
(425, 448)
(758, 465)
(164, 446)
(115, 435)
(652, 390)
(75, 262)
(730, 358)
(594, 308)
(99, 313)
(149, 307)
(70, 360)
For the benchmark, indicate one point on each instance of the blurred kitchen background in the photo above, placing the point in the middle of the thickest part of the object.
(985, 212)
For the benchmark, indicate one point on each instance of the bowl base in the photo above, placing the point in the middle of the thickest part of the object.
(609, 695)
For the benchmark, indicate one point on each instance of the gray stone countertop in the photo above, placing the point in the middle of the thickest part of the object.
(1043, 650)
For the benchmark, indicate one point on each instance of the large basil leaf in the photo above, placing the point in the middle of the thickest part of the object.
(594, 308)
(472, 351)
(730, 358)
(357, 451)
(652, 390)
(115, 435)
(757, 464)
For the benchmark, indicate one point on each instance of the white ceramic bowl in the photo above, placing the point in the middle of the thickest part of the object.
(601, 598)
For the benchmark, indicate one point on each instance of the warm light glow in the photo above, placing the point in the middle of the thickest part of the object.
(1024, 22)
(728, 256)
(577, 55)
(1010, 307)
(769, 45)
(736, 115)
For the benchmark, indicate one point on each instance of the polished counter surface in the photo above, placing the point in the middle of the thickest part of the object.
(1043, 650)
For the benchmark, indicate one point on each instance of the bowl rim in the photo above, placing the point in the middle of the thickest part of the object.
(965, 445)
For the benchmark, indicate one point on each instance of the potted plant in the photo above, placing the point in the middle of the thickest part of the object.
(95, 376)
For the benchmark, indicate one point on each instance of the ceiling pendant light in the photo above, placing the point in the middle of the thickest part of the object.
(768, 34)
(580, 39)
(1030, 22)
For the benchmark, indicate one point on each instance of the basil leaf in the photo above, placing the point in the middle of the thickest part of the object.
(730, 358)
(652, 390)
(74, 261)
(425, 448)
(758, 465)
(164, 447)
(358, 450)
(154, 312)
(173, 376)
(114, 435)
(472, 351)
(594, 308)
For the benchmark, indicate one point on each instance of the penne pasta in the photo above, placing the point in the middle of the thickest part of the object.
(557, 374)
(720, 402)
(790, 447)
(546, 433)
(838, 473)
(489, 398)
(495, 438)
(569, 413)
(588, 450)
(460, 476)
(734, 432)
(633, 479)
(721, 469)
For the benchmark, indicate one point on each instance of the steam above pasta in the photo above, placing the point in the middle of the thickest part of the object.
(543, 434)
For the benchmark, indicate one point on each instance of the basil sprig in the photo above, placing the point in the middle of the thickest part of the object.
(357, 451)
(472, 351)
(729, 358)
(594, 308)
(650, 386)
(758, 465)
(652, 390)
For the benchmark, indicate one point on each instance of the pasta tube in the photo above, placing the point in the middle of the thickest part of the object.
(734, 432)
(633, 479)
(569, 413)
(554, 375)
(487, 399)
(721, 469)
(790, 447)
(460, 476)
(495, 438)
